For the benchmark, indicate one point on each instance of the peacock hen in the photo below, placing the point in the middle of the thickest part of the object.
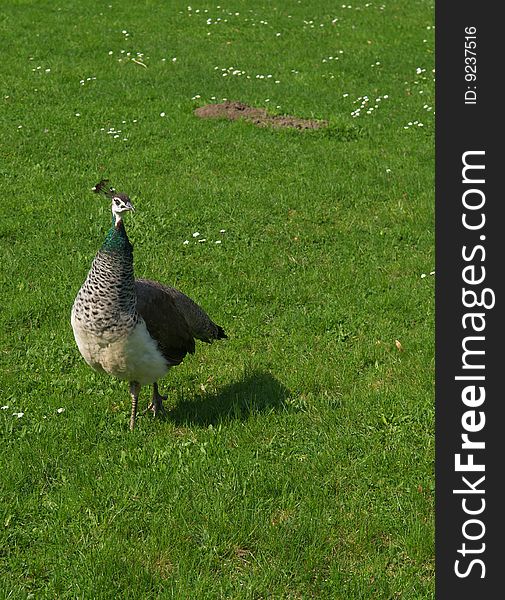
(134, 329)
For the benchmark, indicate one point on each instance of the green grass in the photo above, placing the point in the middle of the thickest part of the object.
(297, 459)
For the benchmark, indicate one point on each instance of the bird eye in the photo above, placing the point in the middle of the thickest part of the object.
(116, 200)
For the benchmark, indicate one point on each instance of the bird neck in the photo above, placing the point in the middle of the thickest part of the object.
(116, 239)
(111, 279)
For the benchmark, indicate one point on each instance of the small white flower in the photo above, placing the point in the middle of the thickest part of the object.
(196, 234)
(5, 407)
(432, 272)
(185, 242)
(423, 275)
(162, 114)
(174, 59)
(60, 410)
(48, 70)
(18, 414)
(217, 242)
(202, 240)
(77, 114)
(222, 230)
(110, 52)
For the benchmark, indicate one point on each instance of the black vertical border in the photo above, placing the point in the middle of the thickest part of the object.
(464, 127)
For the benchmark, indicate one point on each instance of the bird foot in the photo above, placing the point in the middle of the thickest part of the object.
(156, 405)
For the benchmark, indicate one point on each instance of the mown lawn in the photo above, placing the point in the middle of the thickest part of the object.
(297, 458)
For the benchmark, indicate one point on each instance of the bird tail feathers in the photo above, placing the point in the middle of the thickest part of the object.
(220, 333)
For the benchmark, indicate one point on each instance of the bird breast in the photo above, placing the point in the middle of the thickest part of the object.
(129, 355)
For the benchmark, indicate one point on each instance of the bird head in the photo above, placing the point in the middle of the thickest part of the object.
(120, 203)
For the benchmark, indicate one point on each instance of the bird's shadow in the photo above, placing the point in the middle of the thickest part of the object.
(256, 392)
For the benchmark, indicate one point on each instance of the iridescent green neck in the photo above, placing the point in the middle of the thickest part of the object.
(116, 239)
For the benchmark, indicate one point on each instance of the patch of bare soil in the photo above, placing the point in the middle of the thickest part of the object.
(259, 116)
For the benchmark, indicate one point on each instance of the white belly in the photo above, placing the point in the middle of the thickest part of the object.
(132, 357)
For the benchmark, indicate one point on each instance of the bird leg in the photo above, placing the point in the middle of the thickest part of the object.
(134, 393)
(156, 404)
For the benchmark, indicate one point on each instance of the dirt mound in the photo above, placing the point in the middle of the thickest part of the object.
(258, 116)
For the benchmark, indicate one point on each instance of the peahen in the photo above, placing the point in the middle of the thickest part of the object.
(134, 329)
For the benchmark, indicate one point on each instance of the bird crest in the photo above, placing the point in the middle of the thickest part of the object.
(103, 188)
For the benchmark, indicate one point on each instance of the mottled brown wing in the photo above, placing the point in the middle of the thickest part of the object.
(200, 324)
(164, 321)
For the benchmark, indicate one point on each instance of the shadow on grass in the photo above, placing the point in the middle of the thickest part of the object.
(255, 393)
